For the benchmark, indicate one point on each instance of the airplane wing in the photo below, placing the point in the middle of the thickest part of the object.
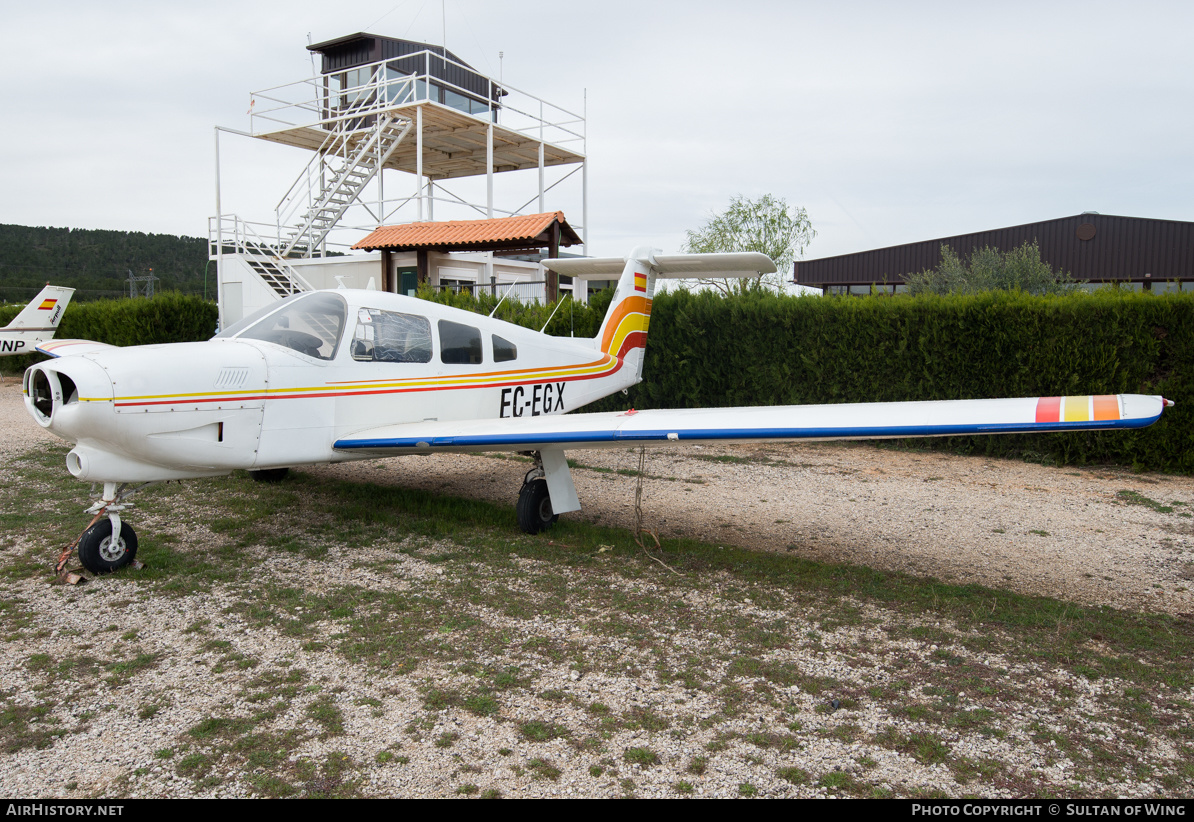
(766, 423)
(67, 348)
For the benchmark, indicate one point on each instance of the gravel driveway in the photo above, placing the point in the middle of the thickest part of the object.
(119, 689)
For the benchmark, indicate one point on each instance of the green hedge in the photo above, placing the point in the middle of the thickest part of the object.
(762, 349)
(164, 318)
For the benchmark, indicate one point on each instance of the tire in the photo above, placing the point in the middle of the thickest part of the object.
(100, 554)
(534, 507)
(269, 474)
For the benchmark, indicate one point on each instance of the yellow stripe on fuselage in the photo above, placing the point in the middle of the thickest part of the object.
(616, 330)
(482, 380)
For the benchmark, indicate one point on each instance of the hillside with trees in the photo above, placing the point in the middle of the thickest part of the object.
(97, 263)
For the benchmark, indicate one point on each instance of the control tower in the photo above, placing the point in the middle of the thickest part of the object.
(395, 130)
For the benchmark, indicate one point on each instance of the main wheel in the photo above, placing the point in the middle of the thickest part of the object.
(534, 507)
(100, 553)
(270, 474)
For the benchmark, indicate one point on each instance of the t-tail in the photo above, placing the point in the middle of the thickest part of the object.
(623, 333)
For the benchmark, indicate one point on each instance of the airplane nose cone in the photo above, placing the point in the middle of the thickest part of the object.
(55, 391)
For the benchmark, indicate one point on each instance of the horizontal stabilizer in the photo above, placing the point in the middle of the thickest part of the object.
(847, 421)
(675, 266)
(70, 348)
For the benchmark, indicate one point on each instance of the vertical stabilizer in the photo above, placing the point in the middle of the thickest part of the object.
(45, 312)
(625, 326)
(623, 334)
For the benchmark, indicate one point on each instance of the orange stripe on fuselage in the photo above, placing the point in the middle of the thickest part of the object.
(632, 315)
(604, 367)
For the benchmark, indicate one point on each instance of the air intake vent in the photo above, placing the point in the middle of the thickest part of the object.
(232, 377)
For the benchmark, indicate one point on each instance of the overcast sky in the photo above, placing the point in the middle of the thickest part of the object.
(889, 122)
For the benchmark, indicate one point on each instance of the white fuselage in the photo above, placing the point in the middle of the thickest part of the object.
(243, 402)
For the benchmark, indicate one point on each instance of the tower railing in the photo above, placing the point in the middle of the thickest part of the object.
(322, 102)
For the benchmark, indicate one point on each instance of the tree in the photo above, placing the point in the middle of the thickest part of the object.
(767, 224)
(990, 269)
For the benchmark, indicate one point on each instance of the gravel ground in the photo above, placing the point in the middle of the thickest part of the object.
(143, 689)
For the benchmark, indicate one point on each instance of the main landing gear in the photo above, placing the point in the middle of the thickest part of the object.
(534, 501)
(107, 544)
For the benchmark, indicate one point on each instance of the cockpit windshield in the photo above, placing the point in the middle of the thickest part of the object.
(311, 324)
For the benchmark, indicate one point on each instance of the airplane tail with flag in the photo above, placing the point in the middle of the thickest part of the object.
(37, 321)
(623, 333)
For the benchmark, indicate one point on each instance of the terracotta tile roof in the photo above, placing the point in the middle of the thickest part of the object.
(501, 232)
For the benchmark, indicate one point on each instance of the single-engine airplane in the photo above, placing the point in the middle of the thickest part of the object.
(328, 376)
(37, 321)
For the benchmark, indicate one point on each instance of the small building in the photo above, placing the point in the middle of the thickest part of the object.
(511, 241)
(1136, 252)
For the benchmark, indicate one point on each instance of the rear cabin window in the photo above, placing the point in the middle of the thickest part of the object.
(387, 336)
(459, 344)
(504, 350)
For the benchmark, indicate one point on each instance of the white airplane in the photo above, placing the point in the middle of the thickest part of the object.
(37, 321)
(328, 376)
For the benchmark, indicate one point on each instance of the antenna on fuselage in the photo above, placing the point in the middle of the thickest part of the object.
(503, 299)
(553, 312)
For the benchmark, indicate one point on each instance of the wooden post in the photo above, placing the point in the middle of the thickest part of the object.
(553, 250)
(423, 265)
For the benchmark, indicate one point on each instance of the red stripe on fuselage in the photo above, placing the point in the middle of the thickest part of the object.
(412, 390)
(635, 339)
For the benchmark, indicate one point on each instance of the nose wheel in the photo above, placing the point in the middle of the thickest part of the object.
(107, 544)
(105, 548)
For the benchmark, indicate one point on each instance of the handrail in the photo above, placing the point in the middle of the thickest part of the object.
(316, 102)
(245, 240)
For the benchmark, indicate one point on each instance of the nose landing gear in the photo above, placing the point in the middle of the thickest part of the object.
(107, 544)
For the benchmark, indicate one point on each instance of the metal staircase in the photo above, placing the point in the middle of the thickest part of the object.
(275, 273)
(346, 162)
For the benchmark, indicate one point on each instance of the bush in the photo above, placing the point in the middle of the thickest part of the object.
(164, 318)
(766, 349)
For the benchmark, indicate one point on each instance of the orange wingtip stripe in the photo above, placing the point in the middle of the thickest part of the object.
(1106, 407)
(1078, 409)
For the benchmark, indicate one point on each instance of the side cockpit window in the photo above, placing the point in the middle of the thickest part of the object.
(387, 336)
(311, 325)
(459, 343)
(504, 350)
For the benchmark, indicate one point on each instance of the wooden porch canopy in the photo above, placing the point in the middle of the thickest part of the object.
(523, 233)
(533, 231)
